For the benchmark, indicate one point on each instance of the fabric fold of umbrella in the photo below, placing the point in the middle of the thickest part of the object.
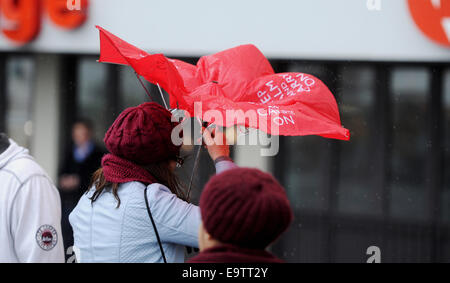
(240, 84)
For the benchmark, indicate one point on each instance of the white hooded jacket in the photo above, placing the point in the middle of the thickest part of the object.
(30, 210)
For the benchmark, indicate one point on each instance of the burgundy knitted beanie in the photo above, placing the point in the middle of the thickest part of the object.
(142, 135)
(245, 207)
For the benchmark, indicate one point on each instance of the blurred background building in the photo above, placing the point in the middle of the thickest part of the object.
(389, 186)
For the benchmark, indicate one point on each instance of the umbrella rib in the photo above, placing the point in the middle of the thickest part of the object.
(162, 96)
(194, 169)
(145, 88)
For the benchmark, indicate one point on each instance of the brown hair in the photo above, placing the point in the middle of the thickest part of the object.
(160, 171)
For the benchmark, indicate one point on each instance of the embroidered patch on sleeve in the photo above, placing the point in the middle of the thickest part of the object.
(46, 237)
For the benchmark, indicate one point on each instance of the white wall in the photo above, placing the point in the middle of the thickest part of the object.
(314, 29)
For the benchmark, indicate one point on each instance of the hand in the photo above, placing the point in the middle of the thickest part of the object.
(216, 143)
(69, 182)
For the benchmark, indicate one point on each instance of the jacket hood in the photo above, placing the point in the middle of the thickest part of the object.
(13, 152)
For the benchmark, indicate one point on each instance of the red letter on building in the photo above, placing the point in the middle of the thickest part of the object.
(21, 19)
(433, 19)
(68, 14)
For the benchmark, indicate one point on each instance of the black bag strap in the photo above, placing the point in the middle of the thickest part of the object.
(154, 227)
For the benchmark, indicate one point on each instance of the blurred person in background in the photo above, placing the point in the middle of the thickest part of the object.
(136, 209)
(30, 209)
(243, 211)
(79, 163)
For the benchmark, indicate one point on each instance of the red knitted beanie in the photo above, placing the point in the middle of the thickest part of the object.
(142, 135)
(245, 207)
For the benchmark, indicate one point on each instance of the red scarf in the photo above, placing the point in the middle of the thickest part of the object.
(119, 170)
(226, 253)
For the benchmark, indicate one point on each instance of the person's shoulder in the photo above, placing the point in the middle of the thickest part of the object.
(134, 191)
(158, 188)
(158, 193)
(32, 180)
(25, 168)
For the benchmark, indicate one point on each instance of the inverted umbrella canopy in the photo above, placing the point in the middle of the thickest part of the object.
(240, 84)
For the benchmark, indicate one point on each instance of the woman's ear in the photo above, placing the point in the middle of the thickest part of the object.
(209, 238)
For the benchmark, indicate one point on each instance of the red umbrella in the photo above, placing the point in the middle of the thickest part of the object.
(240, 84)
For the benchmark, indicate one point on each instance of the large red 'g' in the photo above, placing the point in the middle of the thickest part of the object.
(21, 21)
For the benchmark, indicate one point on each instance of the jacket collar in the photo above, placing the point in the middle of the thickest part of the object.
(226, 253)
